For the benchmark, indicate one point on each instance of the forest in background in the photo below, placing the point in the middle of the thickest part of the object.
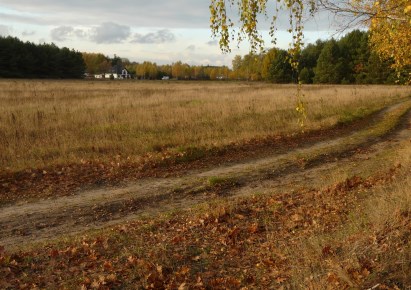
(348, 60)
(20, 59)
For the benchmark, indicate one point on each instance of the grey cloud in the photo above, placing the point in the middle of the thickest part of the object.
(110, 32)
(136, 13)
(61, 33)
(160, 36)
(21, 18)
(4, 30)
(80, 33)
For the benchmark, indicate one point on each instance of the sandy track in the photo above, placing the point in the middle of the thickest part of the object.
(41, 220)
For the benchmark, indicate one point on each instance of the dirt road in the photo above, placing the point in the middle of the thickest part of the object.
(303, 166)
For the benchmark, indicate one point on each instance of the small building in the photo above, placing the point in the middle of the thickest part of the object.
(111, 76)
(125, 74)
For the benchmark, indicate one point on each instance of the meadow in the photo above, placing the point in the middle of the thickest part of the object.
(329, 208)
(44, 123)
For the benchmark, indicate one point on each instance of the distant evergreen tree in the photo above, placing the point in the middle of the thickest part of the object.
(308, 61)
(354, 51)
(330, 67)
(281, 71)
(116, 64)
(306, 76)
(26, 60)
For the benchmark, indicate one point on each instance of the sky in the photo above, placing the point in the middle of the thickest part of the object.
(140, 30)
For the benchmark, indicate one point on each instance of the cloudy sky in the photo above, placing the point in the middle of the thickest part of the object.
(152, 30)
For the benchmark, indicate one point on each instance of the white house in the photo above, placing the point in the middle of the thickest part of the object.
(111, 76)
(125, 74)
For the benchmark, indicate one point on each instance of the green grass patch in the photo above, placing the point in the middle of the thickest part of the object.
(349, 116)
(215, 180)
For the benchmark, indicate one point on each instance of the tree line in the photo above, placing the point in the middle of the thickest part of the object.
(349, 60)
(20, 59)
(97, 63)
(387, 21)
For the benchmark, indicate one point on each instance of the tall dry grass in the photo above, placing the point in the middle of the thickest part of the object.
(49, 122)
(372, 248)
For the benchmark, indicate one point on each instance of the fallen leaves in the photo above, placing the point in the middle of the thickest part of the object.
(252, 243)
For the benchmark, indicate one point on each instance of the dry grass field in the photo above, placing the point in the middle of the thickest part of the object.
(45, 123)
(326, 206)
